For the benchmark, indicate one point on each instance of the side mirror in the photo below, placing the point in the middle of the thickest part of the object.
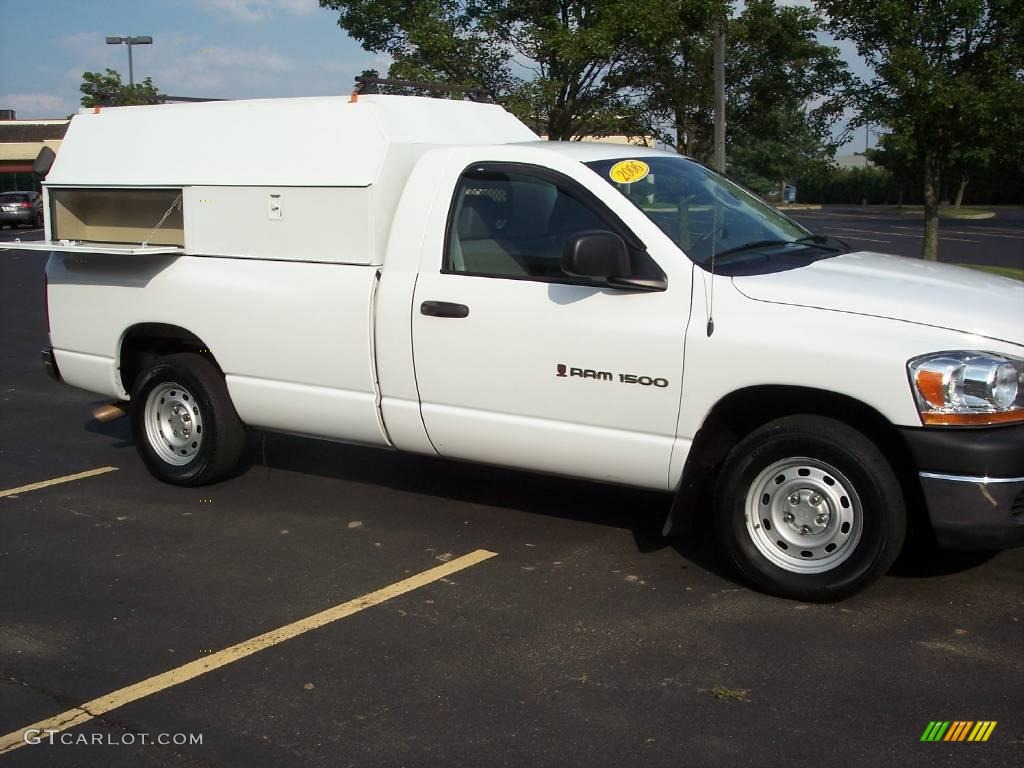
(595, 253)
(44, 160)
(603, 256)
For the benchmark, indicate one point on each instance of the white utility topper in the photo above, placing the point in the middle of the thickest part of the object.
(426, 275)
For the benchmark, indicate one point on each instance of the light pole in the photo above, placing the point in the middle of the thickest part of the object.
(130, 41)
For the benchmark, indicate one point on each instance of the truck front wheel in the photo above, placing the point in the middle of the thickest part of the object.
(808, 508)
(186, 428)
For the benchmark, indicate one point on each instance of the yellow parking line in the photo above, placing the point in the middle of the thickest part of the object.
(90, 709)
(56, 481)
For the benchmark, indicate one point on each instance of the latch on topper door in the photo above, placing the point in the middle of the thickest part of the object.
(274, 207)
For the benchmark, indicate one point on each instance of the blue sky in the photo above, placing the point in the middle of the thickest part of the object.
(215, 48)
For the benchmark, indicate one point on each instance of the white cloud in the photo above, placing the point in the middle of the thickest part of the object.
(299, 7)
(195, 62)
(260, 10)
(91, 53)
(82, 43)
(194, 68)
(36, 105)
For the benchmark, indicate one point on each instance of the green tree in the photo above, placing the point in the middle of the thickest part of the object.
(554, 63)
(989, 133)
(106, 90)
(576, 51)
(895, 153)
(829, 184)
(784, 92)
(672, 82)
(943, 70)
(783, 89)
(429, 40)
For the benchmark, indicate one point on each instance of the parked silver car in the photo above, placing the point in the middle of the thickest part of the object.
(17, 208)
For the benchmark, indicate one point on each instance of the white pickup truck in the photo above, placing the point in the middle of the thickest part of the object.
(426, 275)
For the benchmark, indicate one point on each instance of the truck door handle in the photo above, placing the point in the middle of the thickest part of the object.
(443, 309)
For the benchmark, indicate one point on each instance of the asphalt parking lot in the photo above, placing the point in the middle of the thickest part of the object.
(561, 630)
(998, 241)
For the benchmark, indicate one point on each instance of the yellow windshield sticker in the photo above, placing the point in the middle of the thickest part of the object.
(628, 171)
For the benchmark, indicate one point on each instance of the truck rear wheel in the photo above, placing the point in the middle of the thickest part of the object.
(808, 508)
(186, 428)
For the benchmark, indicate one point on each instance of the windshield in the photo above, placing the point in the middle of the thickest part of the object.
(702, 212)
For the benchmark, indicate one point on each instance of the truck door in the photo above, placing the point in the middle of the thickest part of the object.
(520, 364)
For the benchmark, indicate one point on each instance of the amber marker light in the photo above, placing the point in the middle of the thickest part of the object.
(931, 386)
(972, 419)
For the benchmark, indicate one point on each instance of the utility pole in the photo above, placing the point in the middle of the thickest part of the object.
(719, 98)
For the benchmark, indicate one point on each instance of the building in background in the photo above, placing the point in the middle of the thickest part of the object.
(856, 160)
(20, 142)
(635, 141)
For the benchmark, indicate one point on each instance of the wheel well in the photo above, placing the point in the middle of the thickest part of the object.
(741, 412)
(142, 344)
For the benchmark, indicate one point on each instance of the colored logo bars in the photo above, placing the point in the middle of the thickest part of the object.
(958, 730)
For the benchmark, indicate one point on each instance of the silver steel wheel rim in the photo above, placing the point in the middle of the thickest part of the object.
(174, 423)
(803, 515)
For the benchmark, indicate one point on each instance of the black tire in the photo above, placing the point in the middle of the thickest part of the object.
(818, 443)
(222, 432)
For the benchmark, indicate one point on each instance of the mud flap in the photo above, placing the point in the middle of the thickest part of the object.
(681, 513)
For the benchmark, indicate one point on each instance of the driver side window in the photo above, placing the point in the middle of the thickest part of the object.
(513, 224)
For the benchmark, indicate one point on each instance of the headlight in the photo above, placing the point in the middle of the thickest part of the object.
(968, 388)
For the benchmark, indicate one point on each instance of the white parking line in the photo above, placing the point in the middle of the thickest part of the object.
(91, 709)
(870, 231)
(1008, 232)
(56, 481)
(975, 232)
(865, 239)
(839, 216)
(899, 234)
